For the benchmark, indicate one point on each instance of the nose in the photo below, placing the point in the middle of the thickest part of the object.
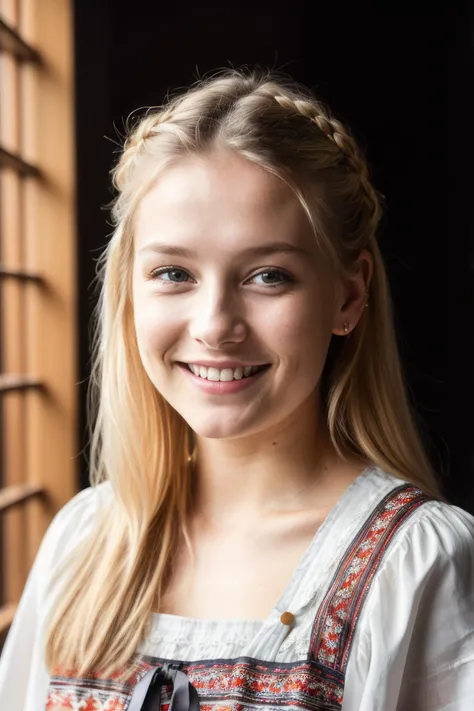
(217, 319)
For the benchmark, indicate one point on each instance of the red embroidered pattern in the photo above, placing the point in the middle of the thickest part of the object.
(221, 686)
(337, 616)
(316, 684)
(305, 685)
(91, 693)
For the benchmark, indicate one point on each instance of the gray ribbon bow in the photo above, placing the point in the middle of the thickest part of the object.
(147, 693)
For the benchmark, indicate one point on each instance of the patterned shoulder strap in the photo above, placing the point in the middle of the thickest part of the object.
(337, 617)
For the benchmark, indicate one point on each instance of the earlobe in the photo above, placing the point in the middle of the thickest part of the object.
(343, 330)
(353, 311)
(356, 295)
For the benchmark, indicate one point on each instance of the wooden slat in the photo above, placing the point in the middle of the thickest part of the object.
(22, 275)
(7, 613)
(10, 382)
(14, 523)
(11, 41)
(9, 110)
(26, 20)
(15, 162)
(37, 232)
(15, 495)
(50, 250)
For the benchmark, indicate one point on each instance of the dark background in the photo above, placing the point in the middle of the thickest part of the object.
(403, 80)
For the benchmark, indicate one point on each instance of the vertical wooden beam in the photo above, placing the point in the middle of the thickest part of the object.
(50, 249)
(13, 524)
(37, 232)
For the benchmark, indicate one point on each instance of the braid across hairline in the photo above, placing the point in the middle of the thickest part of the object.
(315, 111)
(135, 141)
(331, 127)
(335, 131)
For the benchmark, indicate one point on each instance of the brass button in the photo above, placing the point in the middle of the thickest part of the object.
(287, 618)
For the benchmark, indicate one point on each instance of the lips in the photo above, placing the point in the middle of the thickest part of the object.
(255, 369)
(226, 387)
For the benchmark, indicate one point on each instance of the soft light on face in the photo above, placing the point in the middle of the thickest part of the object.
(220, 300)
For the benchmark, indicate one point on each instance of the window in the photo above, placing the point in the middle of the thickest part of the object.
(38, 437)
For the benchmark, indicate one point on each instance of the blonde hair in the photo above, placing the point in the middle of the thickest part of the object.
(139, 443)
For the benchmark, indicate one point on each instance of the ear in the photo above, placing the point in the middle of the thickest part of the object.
(354, 294)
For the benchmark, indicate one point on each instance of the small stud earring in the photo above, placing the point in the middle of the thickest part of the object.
(346, 328)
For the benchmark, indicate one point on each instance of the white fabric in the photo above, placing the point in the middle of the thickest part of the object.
(413, 647)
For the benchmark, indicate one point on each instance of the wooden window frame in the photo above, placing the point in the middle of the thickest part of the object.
(38, 263)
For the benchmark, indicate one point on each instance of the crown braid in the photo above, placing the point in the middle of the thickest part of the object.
(311, 109)
(337, 133)
(135, 143)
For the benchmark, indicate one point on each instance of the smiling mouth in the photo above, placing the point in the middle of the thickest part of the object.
(224, 375)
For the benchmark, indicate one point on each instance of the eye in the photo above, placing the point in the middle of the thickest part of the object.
(276, 278)
(273, 278)
(177, 275)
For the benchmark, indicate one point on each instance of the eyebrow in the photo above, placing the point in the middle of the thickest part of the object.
(258, 251)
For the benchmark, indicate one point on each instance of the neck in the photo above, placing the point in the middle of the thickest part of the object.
(284, 469)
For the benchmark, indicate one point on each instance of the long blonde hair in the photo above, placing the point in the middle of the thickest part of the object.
(138, 442)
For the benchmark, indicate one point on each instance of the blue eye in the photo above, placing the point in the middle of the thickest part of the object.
(284, 278)
(170, 270)
(177, 275)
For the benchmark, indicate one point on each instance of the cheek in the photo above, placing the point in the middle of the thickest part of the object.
(305, 326)
(304, 337)
(154, 327)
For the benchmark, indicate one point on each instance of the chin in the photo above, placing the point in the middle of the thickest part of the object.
(215, 427)
(217, 431)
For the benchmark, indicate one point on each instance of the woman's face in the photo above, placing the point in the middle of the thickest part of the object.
(227, 274)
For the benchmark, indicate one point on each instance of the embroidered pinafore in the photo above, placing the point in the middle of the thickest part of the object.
(314, 683)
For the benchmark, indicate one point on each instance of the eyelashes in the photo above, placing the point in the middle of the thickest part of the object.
(284, 279)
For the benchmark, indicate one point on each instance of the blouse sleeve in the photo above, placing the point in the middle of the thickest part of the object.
(414, 646)
(24, 678)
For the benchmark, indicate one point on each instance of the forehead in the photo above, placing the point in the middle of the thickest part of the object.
(220, 195)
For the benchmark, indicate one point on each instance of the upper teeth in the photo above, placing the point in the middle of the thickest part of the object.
(224, 375)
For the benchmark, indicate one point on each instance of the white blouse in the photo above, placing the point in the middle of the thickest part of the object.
(412, 648)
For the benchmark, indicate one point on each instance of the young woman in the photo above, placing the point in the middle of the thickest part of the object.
(263, 529)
